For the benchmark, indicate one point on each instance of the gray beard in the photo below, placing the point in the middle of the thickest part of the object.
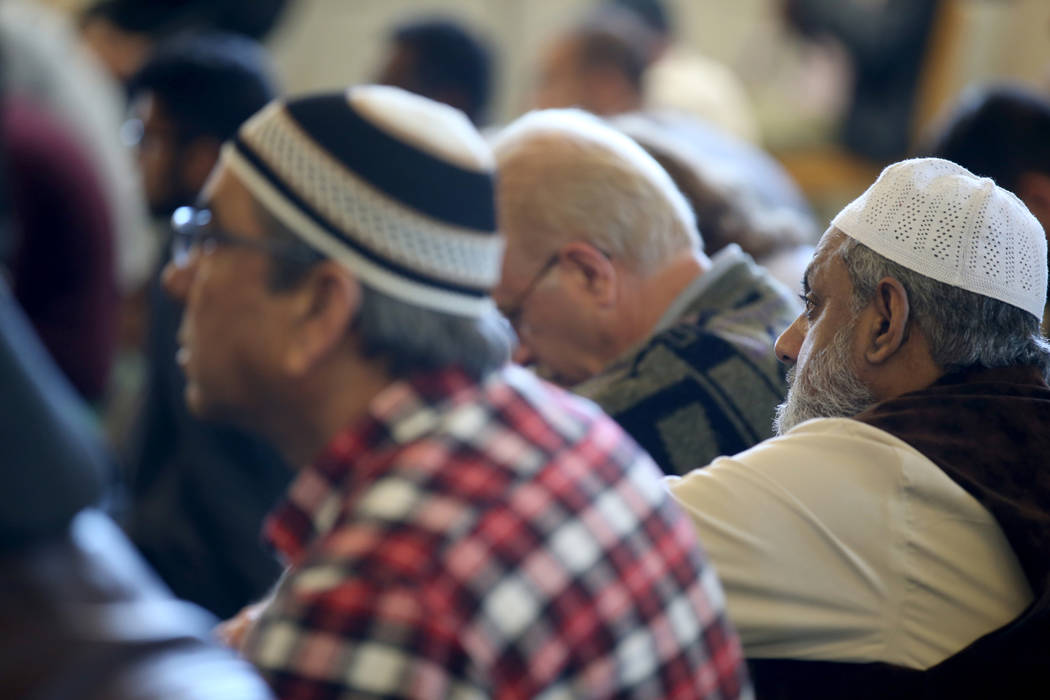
(827, 386)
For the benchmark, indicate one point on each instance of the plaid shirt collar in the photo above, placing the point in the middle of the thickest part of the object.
(401, 413)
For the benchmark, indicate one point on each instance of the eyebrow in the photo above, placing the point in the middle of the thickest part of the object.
(805, 280)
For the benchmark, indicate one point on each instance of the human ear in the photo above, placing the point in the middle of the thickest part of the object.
(324, 306)
(890, 312)
(591, 270)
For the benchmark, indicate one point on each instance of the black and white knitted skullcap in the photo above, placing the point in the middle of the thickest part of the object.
(398, 188)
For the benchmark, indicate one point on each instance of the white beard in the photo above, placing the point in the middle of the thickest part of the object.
(826, 386)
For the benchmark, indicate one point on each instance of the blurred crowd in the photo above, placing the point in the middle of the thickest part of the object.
(446, 435)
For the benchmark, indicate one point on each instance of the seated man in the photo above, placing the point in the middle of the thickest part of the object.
(910, 518)
(606, 283)
(458, 527)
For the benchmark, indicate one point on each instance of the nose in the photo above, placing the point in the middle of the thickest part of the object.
(177, 278)
(789, 343)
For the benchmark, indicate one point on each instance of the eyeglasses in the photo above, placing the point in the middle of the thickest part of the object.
(192, 228)
(512, 312)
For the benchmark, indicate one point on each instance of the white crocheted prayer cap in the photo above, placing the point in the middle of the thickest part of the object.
(940, 220)
(398, 188)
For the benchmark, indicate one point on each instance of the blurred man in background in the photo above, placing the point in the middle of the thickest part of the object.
(62, 266)
(124, 33)
(886, 43)
(607, 285)
(597, 65)
(678, 78)
(441, 59)
(738, 195)
(600, 66)
(198, 492)
(186, 100)
(1003, 132)
(81, 615)
(45, 68)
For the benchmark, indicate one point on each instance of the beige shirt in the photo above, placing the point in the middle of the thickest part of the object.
(840, 542)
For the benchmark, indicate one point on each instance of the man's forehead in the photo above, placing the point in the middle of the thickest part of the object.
(825, 252)
(229, 200)
(223, 188)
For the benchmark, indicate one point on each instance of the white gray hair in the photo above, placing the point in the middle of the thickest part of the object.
(408, 337)
(411, 338)
(564, 174)
(963, 329)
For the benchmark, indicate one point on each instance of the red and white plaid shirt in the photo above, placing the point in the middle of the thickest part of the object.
(499, 540)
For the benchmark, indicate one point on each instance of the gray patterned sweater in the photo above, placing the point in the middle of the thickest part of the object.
(707, 382)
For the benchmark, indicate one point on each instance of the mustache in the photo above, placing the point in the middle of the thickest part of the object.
(825, 385)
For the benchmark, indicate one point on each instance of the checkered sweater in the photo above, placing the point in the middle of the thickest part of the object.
(500, 540)
(707, 383)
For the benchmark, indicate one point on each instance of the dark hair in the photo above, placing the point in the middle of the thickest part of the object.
(653, 13)
(408, 337)
(999, 132)
(619, 41)
(447, 57)
(727, 214)
(964, 329)
(208, 84)
(164, 18)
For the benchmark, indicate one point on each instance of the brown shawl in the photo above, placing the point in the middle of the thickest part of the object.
(989, 431)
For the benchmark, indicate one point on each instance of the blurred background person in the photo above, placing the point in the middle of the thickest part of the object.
(123, 33)
(679, 78)
(44, 65)
(622, 57)
(879, 70)
(1003, 132)
(886, 43)
(442, 59)
(62, 259)
(81, 615)
(599, 66)
(737, 196)
(190, 96)
(596, 65)
(798, 86)
(197, 492)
